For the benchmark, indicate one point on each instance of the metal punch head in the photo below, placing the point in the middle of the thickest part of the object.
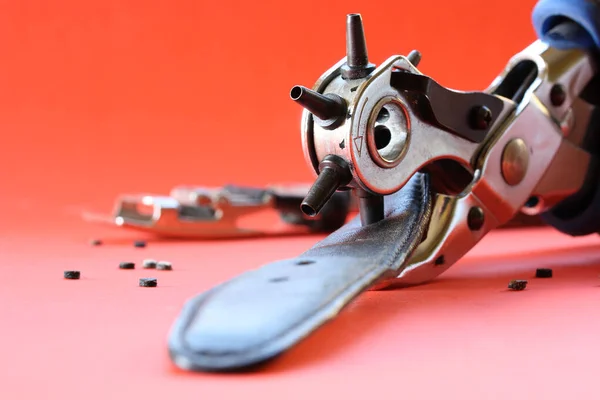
(487, 153)
(359, 124)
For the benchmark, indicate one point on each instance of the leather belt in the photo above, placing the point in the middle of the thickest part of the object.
(262, 313)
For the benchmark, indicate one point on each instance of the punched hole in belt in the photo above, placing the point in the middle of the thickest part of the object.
(285, 278)
(305, 262)
(279, 279)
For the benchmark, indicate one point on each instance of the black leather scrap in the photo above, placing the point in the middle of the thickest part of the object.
(262, 313)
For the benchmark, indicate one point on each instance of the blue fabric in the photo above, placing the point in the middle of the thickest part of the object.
(586, 13)
(584, 34)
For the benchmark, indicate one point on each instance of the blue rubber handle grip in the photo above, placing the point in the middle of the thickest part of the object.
(585, 13)
(579, 214)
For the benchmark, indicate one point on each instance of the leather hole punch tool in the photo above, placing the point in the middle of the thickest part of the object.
(434, 171)
(194, 212)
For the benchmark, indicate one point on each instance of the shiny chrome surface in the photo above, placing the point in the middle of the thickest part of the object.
(556, 169)
(197, 212)
(192, 212)
(543, 138)
(515, 161)
(388, 139)
(380, 170)
(448, 240)
(531, 151)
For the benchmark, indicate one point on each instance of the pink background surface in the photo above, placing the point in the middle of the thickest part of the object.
(99, 98)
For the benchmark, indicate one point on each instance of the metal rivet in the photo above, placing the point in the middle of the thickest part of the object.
(515, 161)
(476, 218)
(558, 95)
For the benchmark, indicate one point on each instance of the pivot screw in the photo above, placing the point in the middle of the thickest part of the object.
(475, 218)
(558, 95)
(480, 118)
